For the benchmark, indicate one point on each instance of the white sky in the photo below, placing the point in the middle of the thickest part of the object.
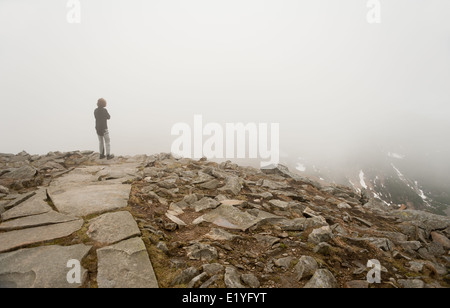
(316, 67)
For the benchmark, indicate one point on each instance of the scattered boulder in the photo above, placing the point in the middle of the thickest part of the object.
(251, 281)
(323, 249)
(205, 204)
(343, 205)
(357, 284)
(306, 267)
(4, 190)
(320, 235)
(322, 279)
(233, 185)
(219, 235)
(232, 278)
(213, 268)
(203, 252)
(441, 239)
(285, 262)
(185, 276)
(411, 283)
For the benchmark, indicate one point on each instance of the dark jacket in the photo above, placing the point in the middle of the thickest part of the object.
(101, 120)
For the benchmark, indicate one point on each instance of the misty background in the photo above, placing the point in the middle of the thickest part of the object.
(342, 89)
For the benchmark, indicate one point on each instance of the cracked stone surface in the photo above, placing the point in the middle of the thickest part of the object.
(48, 218)
(125, 265)
(19, 238)
(85, 200)
(113, 227)
(41, 267)
(34, 206)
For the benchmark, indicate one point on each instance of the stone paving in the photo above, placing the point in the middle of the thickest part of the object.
(87, 200)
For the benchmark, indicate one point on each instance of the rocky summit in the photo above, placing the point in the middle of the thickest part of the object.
(160, 221)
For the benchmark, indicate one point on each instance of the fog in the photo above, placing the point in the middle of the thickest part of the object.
(339, 86)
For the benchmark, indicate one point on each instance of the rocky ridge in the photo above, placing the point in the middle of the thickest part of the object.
(194, 223)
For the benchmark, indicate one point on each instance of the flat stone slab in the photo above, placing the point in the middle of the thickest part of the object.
(34, 206)
(113, 227)
(125, 265)
(227, 216)
(49, 218)
(91, 199)
(118, 173)
(85, 175)
(19, 238)
(41, 267)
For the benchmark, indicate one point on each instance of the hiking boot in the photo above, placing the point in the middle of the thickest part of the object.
(102, 156)
(110, 157)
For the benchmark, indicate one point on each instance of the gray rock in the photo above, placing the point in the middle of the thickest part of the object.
(426, 220)
(213, 184)
(202, 178)
(205, 204)
(175, 220)
(125, 265)
(344, 205)
(411, 283)
(113, 227)
(190, 199)
(19, 238)
(18, 199)
(381, 243)
(24, 172)
(203, 252)
(163, 247)
(297, 224)
(232, 278)
(233, 185)
(416, 267)
(48, 218)
(83, 200)
(284, 171)
(279, 204)
(306, 267)
(274, 185)
(357, 284)
(436, 249)
(323, 249)
(33, 206)
(285, 262)
(363, 221)
(322, 279)
(441, 239)
(197, 280)
(266, 240)
(228, 216)
(320, 235)
(41, 267)
(4, 190)
(213, 269)
(315, 222)
(251, 281)
(185, 276)
(210, 282)
(310, 213)
(410, 245)
(219, 235)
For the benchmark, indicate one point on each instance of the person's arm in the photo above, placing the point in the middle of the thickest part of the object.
(107, 115)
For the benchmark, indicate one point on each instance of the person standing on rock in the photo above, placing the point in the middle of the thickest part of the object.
(101, 125)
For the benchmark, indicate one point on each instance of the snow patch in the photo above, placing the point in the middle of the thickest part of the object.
(361, 179)
(300, 167)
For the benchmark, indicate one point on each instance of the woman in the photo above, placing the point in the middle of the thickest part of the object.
(101, 125)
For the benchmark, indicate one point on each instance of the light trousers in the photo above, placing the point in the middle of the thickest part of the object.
(105, 142)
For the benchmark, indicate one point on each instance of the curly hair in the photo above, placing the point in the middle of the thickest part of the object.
(101, 103)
